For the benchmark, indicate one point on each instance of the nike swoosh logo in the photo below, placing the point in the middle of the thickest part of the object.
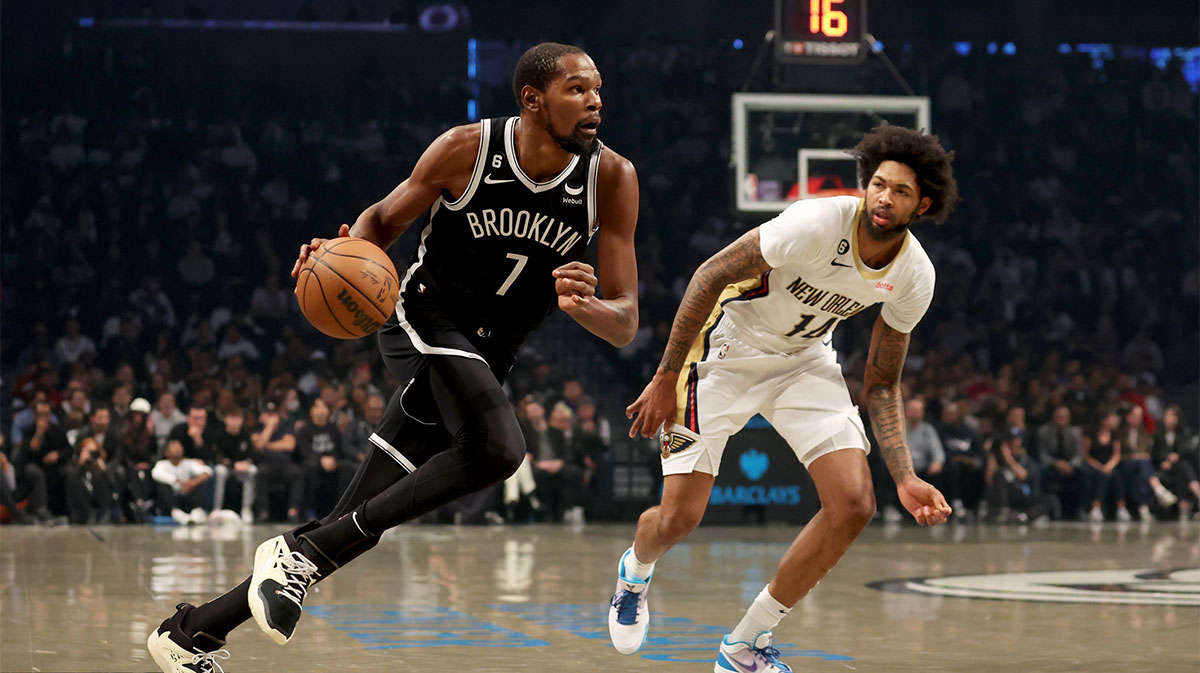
(837, 263)
(489, 180)
(748, 668)
(573, 191)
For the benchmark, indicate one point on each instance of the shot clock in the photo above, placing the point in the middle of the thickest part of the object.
(825, 32)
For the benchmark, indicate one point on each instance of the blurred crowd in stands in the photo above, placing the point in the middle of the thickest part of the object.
(155, 363)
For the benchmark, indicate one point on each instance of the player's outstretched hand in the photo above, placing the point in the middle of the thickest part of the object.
(927, 504)
(306, 248)
(575, 283)
(655, 406)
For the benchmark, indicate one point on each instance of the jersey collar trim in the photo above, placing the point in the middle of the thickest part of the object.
(510, 149)
(866, 272)
(485, 135)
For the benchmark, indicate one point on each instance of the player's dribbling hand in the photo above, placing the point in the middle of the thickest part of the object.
(575, 283)
(926, 504)
(307, 248)
(655, 406)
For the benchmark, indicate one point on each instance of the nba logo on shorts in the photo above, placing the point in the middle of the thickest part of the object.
(722, 351)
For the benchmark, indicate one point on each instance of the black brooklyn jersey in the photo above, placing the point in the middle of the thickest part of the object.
(485, 259)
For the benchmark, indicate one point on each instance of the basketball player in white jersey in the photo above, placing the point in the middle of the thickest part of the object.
(753, 334)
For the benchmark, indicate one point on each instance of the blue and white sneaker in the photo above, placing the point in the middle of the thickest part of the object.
(628, 612)
(756, 657)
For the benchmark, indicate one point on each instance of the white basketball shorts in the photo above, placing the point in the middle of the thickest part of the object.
(726, 381)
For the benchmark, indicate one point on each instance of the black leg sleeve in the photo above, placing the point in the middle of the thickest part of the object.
(486, 447)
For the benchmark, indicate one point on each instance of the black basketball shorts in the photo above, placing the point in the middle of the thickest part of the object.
(415, 334)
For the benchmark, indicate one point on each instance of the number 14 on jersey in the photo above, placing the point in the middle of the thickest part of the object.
(816, 333)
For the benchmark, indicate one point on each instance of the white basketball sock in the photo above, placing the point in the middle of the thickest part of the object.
(763, 615)
(635, 569)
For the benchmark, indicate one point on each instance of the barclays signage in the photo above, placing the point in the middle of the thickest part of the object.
(754, 464)
(755, 495)
(760, 475)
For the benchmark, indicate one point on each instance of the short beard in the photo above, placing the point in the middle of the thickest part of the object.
(573, 144)
(882, 235)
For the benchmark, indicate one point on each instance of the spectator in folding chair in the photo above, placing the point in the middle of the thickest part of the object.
(90, 486)
(235, 461)
(275, 444)
(183, 485)
(22, 488)
(138, 449)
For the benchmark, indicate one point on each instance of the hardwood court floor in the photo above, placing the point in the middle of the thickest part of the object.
(534, 598)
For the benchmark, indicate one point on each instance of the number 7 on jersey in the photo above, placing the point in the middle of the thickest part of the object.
(521, 261)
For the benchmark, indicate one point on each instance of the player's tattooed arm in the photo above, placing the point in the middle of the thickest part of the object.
(740, 260)
(885, 362)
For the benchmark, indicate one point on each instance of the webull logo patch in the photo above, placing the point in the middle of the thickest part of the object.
(360, 318)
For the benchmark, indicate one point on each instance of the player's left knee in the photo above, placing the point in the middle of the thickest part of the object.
(864, 510)
(508, 455)
(504, 448)
(676, 523)
(855, 509)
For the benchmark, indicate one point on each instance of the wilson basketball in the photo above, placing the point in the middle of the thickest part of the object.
(347, 288)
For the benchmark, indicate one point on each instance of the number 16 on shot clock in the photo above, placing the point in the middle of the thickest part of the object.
(820, 32)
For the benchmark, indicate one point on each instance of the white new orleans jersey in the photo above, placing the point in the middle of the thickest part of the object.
(817, 279)
(766, 348)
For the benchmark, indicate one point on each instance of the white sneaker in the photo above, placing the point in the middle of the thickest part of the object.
(573, 516)
(198, 516)
(1097, 516)
(891, 514)
(756, 657)
(172, 658)
(1144, 513)
(278, 586)
(628, 611)
(1165, 497)
(181, 517)
(1123, 514)
(222, 517)
(247, 516)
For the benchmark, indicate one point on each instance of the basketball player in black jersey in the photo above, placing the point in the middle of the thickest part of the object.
(515, 202)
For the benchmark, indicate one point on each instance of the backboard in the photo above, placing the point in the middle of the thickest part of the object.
(793, 146)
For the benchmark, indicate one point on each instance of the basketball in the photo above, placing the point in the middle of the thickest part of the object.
(347, 288)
